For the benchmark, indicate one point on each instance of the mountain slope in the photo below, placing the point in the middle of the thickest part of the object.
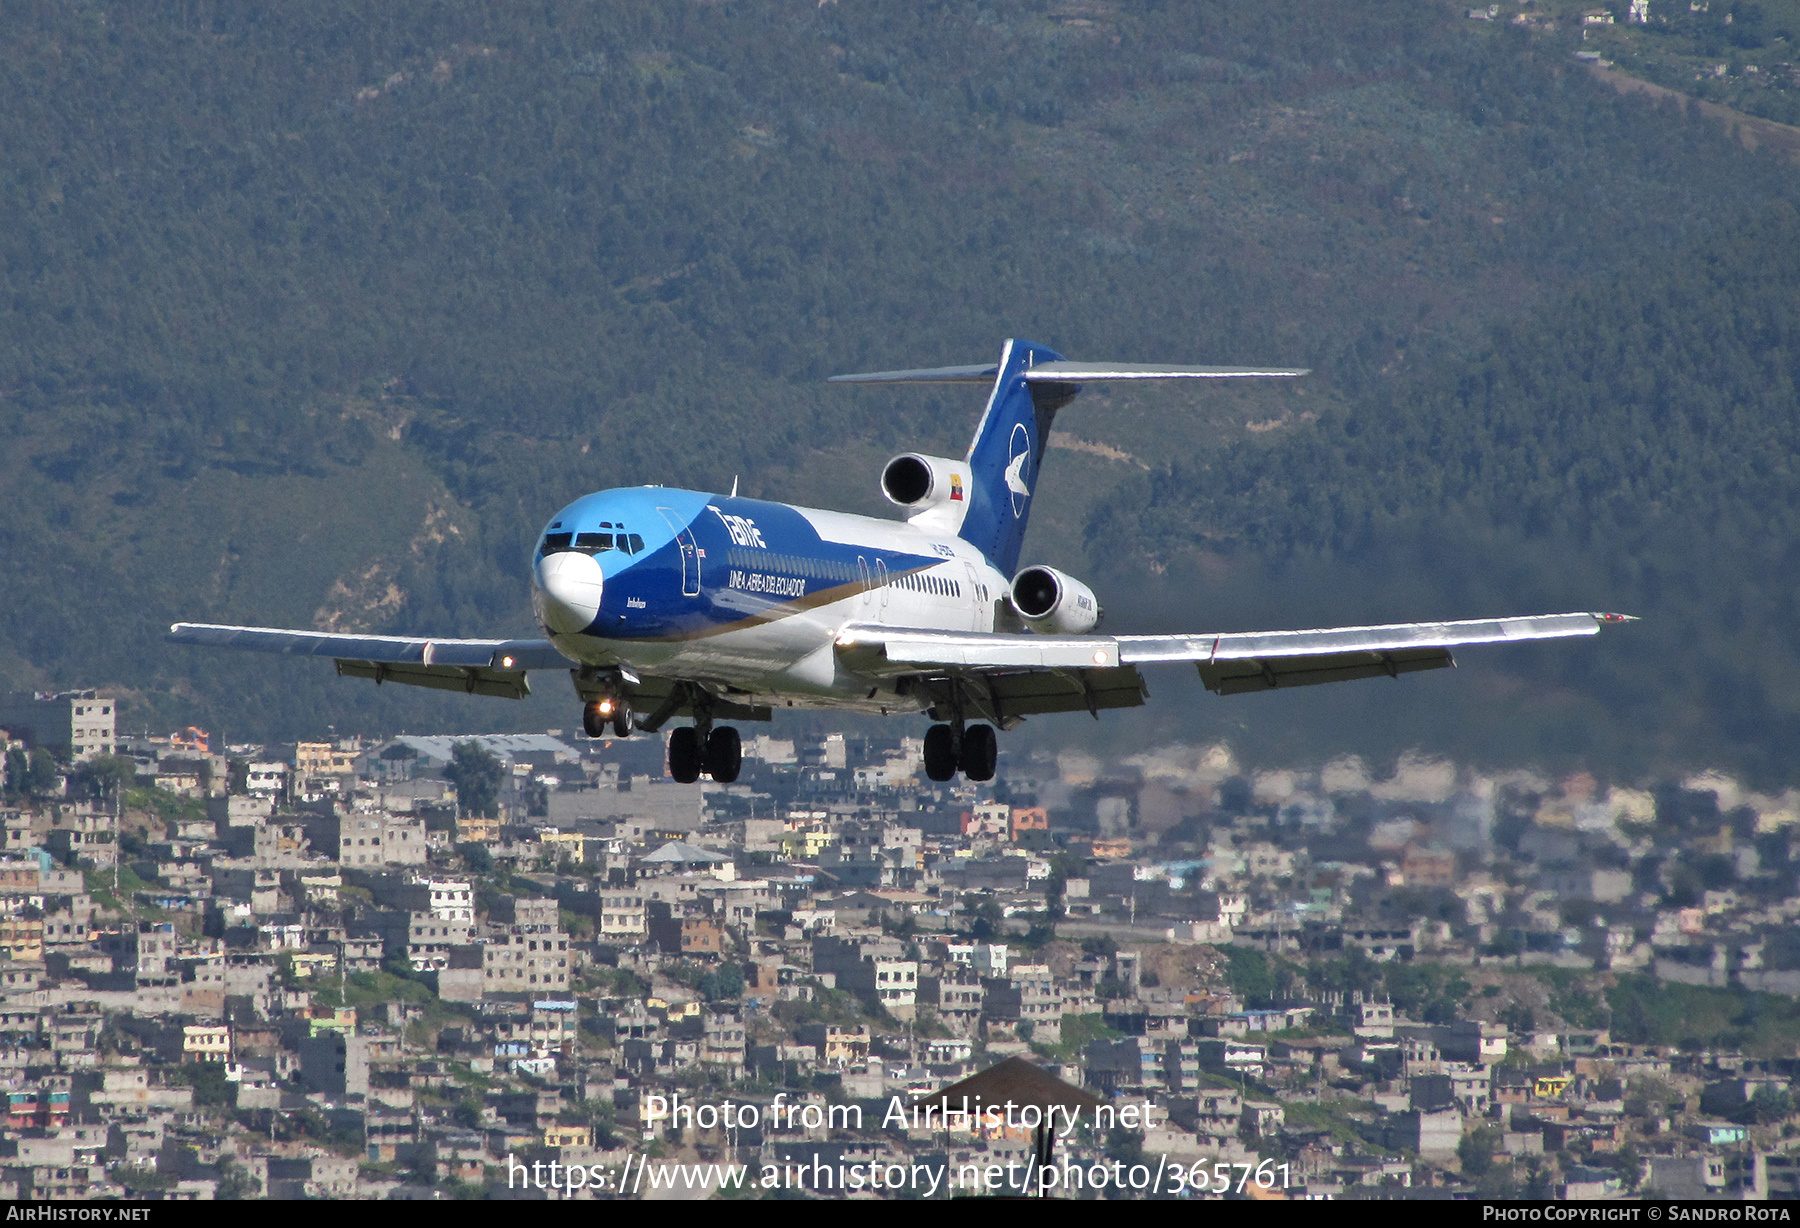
(311, 315)
(1634, 447)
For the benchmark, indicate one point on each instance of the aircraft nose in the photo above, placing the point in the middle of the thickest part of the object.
(569, 586)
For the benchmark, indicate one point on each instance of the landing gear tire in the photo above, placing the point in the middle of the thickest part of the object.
(980, 752)
(622, 720)
(593, 719)
(940, 753)
(724, 754)
(684, 755)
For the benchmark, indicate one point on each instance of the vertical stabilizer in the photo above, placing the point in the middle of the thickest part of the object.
(1029, 385)
(1007, 452)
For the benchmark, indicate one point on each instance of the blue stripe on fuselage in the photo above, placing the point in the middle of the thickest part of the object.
(757, 562)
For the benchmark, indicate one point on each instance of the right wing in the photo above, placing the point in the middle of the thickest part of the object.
(477, 667)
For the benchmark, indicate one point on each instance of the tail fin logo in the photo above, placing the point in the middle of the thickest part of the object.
(1019, 450)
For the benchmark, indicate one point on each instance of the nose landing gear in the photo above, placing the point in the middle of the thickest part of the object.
(597, 714)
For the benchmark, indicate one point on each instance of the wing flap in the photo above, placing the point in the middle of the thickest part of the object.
(1005, 697)
(909, 648)
(1081, 690)
(1270, 673)
(471, 680)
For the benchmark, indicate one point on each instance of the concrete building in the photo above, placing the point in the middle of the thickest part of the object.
(622, 917)
(79, 722)
(335, 1063)
(372, 839)
(525, 959)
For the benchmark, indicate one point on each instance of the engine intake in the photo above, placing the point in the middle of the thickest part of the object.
(1055, 604)
(933, 491)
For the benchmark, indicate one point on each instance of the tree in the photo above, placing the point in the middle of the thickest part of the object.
(42, 773)
(237, 1182)
(477, 774)
(18, 767)
(1520, 1018)
(724, 984)
(211, 1089)
(1476, 1151)
(104, 776)
(1769, 1104)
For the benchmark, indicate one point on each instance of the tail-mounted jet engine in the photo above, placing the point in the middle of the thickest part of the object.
(933, 491)
(1055, 604)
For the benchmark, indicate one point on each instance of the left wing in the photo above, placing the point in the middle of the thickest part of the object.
(1230, 663)
(478, 667)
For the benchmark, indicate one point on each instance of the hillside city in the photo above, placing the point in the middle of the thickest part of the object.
(400, 968)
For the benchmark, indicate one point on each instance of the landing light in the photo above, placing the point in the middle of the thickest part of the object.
(606, 707)
(1100, 657)
(506, 662)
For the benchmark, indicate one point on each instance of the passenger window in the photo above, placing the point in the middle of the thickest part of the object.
(554, 542)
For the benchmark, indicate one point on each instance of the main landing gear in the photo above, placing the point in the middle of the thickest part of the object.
(720, 754)
(597, 714)
(975, 757)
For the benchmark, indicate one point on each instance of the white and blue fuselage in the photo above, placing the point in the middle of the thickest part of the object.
(748, 594)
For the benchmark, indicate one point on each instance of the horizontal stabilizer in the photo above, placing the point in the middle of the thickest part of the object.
(981, 373)
(1085, 372)
(1067, 373)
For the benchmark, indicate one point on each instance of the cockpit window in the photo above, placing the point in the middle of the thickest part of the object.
(592, 543)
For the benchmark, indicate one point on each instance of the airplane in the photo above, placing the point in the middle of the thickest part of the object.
(664, 604)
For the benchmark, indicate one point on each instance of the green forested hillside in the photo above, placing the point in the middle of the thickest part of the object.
(309, 314)
(1634, 447)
